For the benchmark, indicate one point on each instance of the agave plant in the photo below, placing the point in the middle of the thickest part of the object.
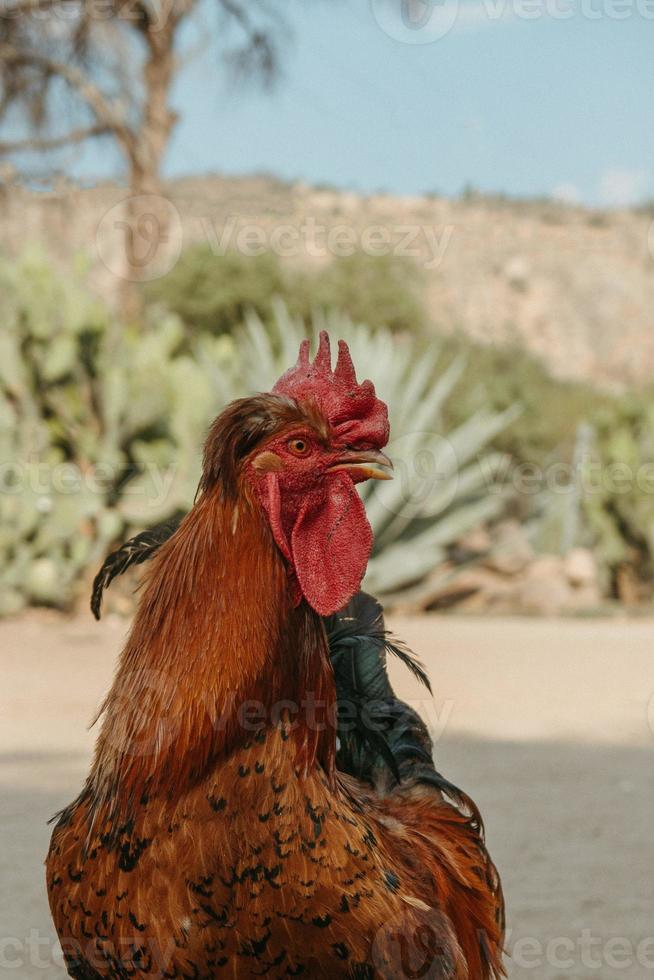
(101, 427)
(444, 482)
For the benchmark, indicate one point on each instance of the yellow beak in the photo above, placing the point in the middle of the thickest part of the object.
(367, 464)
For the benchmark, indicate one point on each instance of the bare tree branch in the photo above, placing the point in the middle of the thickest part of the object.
(259, 54)
(45, 143)
(179, 9)
(77, 80)
(128, 47)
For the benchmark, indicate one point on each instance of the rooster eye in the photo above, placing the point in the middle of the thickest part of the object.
(300, 447)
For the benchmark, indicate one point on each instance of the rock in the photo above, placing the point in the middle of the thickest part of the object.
(580, 567)
(546, 567)
(517, 272)
(511, 551)
(585, 598)
(545, 589)
(477, 541)
(470, 589)
(545, 597)
(43, 582)
(486, 591)
(475, 589)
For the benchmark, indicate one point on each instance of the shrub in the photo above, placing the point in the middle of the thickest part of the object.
(214, 292)
(552, 409)
(383, 290)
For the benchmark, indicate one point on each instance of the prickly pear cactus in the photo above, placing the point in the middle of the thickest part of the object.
(99, 430)
(619, 497)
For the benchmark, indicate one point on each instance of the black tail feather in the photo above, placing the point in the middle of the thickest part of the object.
(379, 735)
(138, 549)
(360, 626)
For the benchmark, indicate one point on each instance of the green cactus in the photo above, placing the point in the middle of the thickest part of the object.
(619, 489)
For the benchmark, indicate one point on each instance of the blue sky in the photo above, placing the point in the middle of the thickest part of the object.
(527, 97)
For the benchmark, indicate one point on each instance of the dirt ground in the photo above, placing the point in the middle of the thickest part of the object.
(547, 724)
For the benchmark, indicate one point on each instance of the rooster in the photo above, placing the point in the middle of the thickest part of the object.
(260, 803)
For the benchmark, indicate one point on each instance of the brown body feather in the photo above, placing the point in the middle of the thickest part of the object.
(215, 837)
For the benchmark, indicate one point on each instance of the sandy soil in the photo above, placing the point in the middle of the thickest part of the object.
(547, 724)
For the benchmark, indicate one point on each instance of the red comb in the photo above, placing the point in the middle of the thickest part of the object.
(358, 417)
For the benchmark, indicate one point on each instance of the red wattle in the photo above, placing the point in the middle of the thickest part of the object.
(330, 544)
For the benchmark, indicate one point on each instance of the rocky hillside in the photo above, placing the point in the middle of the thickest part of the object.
(572, 285)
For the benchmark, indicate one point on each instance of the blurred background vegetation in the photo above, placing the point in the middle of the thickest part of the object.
(102, 422)
(514, 489)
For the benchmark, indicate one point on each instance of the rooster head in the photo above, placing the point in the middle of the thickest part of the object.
(302, 448)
